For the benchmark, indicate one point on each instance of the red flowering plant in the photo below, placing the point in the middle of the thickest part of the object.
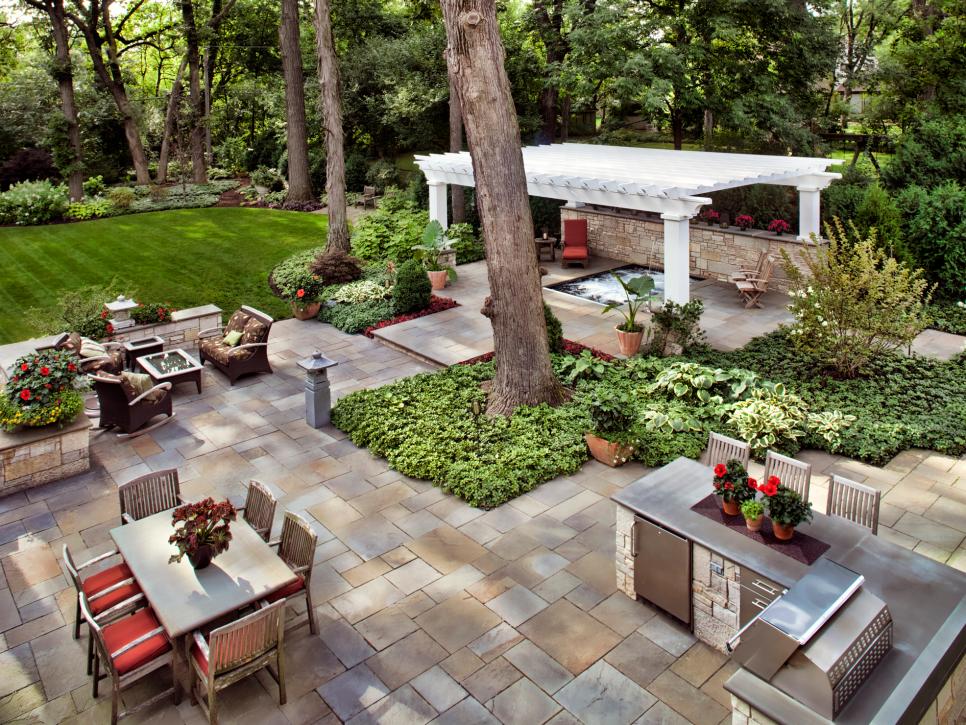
(731, 482)
(778, 226)
(785, 506)
(711, 216)
(745, 221)
(41, 391)
(152, 314)
(205, 523)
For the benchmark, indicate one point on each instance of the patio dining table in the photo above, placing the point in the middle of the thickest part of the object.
(184, 599)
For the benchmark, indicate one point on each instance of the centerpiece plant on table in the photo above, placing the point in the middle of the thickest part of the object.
(637, 292)
(785, 508)
(42, 391)
(612, 440)
(732, 484)
(754, 512)
(204, 533)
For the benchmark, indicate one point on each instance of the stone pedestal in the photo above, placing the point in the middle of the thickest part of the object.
(318, 399)
(36, 456)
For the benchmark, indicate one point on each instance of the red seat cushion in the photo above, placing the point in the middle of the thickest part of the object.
(200, 658)
(129, 629)
(572, 252)
(105, 578)
(288, 590)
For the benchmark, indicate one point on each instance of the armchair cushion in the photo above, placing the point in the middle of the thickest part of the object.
(237, 321)
(136, 384)
(105, 578)
(255, 331)
(216, 349)
(575, 252)
(129, 629)
(102, 604)
(200, 658)
(91, 348)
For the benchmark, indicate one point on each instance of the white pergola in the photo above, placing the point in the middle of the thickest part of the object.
(656, 180)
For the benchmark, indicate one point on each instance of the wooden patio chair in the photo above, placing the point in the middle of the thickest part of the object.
(743, 273)
(854, 501)
(259, 509)
(722, 449)
(752, 288)
(793, 473)
(368, 197)
(235, 651)
(130, 648)
(296, 547)
(575, 249)
(149, 494)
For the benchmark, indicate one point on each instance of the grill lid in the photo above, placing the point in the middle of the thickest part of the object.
(812, 601)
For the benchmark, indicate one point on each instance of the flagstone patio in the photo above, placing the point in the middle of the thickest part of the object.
(429, 610)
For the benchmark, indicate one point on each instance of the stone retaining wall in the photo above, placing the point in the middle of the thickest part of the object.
(36, 456)
(714, 597)
(715, 252)
(181, 331)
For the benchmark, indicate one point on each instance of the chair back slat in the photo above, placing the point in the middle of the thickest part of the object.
(853, 501)
(297, 545)
(794, 474)
(722, 449)
(260, 509)
(72, 569)
(150, 494)
(247, 639)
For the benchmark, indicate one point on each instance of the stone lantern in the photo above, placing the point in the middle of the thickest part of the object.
(318, 401)
(120, 310)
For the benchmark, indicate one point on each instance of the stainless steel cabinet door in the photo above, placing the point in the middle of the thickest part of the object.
(662, 568)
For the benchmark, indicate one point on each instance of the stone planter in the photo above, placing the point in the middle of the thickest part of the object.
(36, 456)
(437, 280)
(629, 342)
(306, 312)
(611, 454)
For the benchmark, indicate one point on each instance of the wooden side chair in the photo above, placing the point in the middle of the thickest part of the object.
(743, 273)
(854, 501)
(130, 648)
(368, 197)
(235, 651)
(296, 547)
(259, 509)
(722, 449)
(793, 473)
(149, 494)
(752, 288)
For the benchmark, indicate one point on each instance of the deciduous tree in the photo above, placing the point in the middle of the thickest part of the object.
(296, 138)
(331, 105)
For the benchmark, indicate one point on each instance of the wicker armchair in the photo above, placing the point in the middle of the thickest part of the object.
(250, 355)
(119, 406)
(112, 361)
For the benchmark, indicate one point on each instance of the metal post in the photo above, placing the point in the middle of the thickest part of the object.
(318, 400)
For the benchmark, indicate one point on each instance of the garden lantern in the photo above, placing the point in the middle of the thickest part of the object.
(120, 310)
(318, 401)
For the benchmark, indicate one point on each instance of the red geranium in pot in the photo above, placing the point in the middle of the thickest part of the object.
(204, 532)
(731, 483)
(786, 509)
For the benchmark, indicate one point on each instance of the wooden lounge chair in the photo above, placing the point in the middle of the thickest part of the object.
(743, 273)
(120, 406)
(752, 288)
(722, 449)
(575, 249)
(259, 509)
(853, 501)
(249, 356)
(793, 473)
(296, 547)
(149, 494)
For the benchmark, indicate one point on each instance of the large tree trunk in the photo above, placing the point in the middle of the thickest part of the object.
(475, 57)
(331, 102)
(296, 137)
(199, 167)
(457, 195)
(65, 83)
(208, 68)
(170, 122)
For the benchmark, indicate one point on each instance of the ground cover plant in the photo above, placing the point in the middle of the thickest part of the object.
(187, 257)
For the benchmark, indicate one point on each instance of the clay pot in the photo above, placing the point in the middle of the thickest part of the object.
(731, 508)
(437, 280)
(306, 312)
(783, 532)
(629, 342)
(754, 524)
(611, 454)
(201, 557)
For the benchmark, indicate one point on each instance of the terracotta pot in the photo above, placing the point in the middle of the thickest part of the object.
(731, 508)
(612, 454)
(754, 524)
(629, 342)
(437, 280)
(306, 312)
(783, 532)
(201, 557)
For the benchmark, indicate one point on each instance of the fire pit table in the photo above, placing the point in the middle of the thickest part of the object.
(174, 366)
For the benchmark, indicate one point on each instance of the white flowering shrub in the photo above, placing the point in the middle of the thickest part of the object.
(33, 202)
(853, 302)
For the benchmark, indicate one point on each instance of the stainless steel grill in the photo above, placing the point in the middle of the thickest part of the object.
(820, 640)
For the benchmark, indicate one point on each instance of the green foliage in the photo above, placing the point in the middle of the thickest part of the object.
(676, 327)
(554, 329)
(381, 174)
(96, 208)
(148, 313)
(949, 317)
(934, 226)
(41, 391)
(787, 507)
(842, 198)
(752, 509)
(546, 213)
(94, 186)
(294, 273)
(268, 178)
(432, 245)
(928, 155)
(770, 418)
(412, 290)
(612, 415)
(121, 197)
(464, 240)
(761, 201)
(854, 303)
(571, 368)
(637, 292)
(356, 317)
(878, 211)
(32, 202)
(363, 290)
(389, 232)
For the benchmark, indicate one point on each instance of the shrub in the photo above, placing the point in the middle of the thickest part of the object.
(91, 209)
(554, 329)
(675, 328)
(336, 267)
(355, 171)
(949, 317)
(412, 290)
(363, 290)
(770, 418)
(94, 186)
(294, 273)
(152, 313)
(122, 197)
(268, 178)
(612, 415)
(855, 303)
(842, 198)
(929, 155)
(33, 202)
(41, 391)
(934, 227)
(389, 232)
(878, 211)
(381, 174)
(466, 243)
(356, 317)
(27, 165)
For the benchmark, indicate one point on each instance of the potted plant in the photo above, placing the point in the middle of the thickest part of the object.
(429, 253)
(711, 217)
(611, 441)
(786, 509)
(732, 484)
(204, 532)
(41, 391)
(637, 292)
(778, 226)
(745, 221)
(305, 305)
(754, 513)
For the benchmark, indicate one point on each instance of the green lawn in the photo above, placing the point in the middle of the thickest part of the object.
(187, 257)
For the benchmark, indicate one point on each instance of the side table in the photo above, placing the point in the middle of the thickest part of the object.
(133, 349)
(543, 246)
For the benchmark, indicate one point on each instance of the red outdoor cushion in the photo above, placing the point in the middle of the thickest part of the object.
(105, 578)
(574, 252)
(129, 629)
(288, 590)
(575, 232)
(200, 658)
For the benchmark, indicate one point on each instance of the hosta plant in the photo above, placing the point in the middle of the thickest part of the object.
(769, 417)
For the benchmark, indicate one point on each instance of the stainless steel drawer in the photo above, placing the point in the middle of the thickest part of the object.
(757, 592)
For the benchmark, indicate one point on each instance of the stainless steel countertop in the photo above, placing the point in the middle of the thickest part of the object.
(926, 598)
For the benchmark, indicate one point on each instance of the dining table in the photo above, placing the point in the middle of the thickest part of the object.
(185, 599)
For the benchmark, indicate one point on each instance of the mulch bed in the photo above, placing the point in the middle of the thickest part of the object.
(436, 304)
(570, 347)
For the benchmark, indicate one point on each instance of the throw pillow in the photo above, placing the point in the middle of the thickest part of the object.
(232, 338)
(139, 382)
(89, 348)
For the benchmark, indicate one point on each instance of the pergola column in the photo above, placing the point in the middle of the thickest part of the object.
(438, 193)
(809, 212)
(677, 258)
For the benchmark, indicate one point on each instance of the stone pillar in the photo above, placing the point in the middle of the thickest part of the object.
(318, 400)
(677, 258)
(809, 212)
(625, 561)
(438, 193)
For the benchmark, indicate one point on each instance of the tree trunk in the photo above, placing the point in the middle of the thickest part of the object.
(296, 137)
(677, 130)
(170, 123)
(338, 239)
(199, 167)
(208, 73)
(457, 194)
(708, 129)
(475, 57)
(65, 83)
(565, 106)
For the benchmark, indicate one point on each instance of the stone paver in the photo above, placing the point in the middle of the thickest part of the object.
(602, 694)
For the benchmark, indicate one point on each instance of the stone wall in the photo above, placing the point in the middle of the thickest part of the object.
(715, 252)
(949, 707)
(625, 562)
(40, 455)
(744, 714)
(715, 595)
(182, 330)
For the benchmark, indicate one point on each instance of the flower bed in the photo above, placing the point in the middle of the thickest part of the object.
(436, 304)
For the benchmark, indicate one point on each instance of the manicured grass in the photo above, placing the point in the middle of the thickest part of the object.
(187, 257)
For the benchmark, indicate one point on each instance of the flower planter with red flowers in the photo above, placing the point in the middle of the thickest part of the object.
(41, 392)
(745, 222)
(611, 441)
(732, 484)
(204, 531)
(303, 306)
(785, 508)
(779, 226)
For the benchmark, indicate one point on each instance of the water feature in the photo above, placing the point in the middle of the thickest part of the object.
(604, 289)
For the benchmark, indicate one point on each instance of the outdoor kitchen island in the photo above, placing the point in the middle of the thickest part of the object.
(892, 634)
